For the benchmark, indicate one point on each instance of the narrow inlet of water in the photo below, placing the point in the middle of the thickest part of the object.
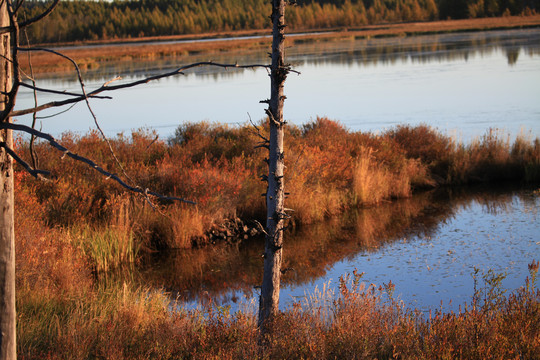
(428, 246)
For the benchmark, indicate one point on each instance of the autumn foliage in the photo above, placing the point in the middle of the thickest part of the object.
(78, 225)
(329, 169)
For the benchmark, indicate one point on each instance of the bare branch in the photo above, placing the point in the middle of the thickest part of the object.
(113, 80)
(19, 4)
(47, 11)
(33, 154)
(34, 172)
(258, 131)
(106, 87)
(85, 95)
(48, 105)
(52, 141)
(51, 116)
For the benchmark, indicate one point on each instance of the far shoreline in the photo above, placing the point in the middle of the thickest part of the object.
(90, 54)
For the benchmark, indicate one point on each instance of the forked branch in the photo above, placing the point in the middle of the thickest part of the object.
(52, 141)
(25, 23)
(107, 87)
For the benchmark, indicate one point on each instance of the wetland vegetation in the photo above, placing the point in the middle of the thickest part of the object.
(78, 226)
(74, 231)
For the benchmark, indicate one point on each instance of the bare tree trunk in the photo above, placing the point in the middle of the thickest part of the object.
(269, 300)
(7, 236)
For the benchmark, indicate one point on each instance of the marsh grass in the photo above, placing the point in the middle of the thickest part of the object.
(80, 319)
(110, 246)
(106, 247)
(357, 321)
(330, 170)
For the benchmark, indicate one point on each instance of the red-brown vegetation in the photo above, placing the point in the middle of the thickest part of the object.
(80, 224)
(329, 170)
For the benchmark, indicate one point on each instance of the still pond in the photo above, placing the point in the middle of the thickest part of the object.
(461, 84)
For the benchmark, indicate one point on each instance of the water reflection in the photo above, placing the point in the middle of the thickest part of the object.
(426, 245)
(350, 51)
(461, 84)
(419, 49)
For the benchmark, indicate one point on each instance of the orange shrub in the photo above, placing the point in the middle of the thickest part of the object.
(328, 169)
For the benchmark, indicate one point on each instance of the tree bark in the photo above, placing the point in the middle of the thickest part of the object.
(7, 236)
(269, 300)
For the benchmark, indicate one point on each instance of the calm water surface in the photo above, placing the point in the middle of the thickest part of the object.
(462, 84)
(428, 246)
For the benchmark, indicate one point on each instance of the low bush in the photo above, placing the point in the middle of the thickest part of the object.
(329, 170)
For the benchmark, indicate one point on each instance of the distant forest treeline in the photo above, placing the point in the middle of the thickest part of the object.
(80, 20)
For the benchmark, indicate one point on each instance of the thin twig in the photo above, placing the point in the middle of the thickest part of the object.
(58, 92)
(52, 141)
(33, 153)
(55, 114)
(258, 132)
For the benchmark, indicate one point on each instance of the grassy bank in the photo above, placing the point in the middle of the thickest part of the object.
(79, 224)
(150, 48)
(57, 320)
(329, 170)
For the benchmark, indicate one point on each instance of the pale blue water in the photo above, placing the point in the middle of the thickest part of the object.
(430, 271)
(462, 84)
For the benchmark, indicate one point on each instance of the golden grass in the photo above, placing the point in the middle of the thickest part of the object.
(329, 170)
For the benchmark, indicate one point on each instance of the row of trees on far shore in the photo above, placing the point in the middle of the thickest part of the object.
(80, 20)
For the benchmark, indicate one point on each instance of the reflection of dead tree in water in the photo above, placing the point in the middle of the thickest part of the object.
(10, 82)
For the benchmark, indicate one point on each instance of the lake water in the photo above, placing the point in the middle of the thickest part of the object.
(462, 84)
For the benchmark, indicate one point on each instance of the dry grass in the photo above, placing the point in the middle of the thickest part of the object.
(64, 314)
(121, 322)
(329, 170)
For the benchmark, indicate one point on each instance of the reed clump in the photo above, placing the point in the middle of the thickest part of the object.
(329, 169)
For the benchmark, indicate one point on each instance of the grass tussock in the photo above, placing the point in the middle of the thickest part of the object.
(329, 170)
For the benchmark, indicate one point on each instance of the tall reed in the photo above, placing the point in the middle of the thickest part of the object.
(108, 247)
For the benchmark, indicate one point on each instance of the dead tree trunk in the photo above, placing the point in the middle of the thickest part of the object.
(7, 236)
(269, 300)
